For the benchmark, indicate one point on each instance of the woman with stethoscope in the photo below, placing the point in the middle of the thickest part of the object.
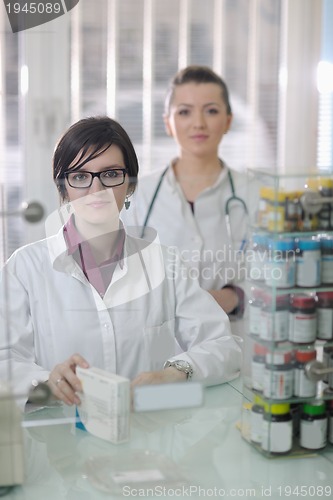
(196, 203)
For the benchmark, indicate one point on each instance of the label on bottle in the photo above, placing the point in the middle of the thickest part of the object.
(313, 433)
(276, 436)
(258, 266)
(303, 387)
(302, 327)
(280, 273)
(257, 370)
(327, 269)
(278, 384)
(256, 426)
(330, 429)
(274, 325)
(325, 323)
(308, 268)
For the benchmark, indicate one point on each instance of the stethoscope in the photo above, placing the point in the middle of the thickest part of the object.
(227, 207)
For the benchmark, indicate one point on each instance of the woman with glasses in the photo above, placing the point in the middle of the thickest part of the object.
(90, 295)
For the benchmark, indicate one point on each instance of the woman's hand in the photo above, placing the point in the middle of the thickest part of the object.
(63, 381)
(227, 298)
(166, 376)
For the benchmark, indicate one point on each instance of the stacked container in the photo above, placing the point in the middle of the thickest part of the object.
(290, 313)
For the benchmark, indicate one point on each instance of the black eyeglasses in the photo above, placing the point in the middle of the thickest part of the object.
(109, 178)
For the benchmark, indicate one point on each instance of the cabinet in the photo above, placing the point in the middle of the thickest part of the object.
(288, 398)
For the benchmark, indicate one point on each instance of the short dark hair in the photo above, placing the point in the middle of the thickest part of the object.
(93, 135)
(196, 74)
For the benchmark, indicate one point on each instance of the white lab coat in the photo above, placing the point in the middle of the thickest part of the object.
(202, 239)
(54, 312)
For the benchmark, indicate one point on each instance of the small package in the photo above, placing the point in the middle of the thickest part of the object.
(105, 404)
(168, 396)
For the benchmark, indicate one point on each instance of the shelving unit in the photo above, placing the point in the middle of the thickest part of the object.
(282, 326)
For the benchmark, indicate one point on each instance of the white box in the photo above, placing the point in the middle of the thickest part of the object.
(167, 396)
(12, 464)
(105, 404)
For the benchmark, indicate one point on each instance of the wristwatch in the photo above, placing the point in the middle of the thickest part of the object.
(182, 366)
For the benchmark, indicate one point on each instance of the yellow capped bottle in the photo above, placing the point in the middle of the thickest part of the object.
(277, 211)
(277, 435)
(325, 188)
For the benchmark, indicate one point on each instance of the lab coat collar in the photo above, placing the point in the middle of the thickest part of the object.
(174, 185)
(149, 254)
(57, 246)
(74, 240)
(171, 178)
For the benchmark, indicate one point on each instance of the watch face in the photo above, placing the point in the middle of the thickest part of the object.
(183, 364)
(185, 367)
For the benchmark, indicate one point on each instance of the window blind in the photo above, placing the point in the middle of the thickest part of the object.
(122, 56)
